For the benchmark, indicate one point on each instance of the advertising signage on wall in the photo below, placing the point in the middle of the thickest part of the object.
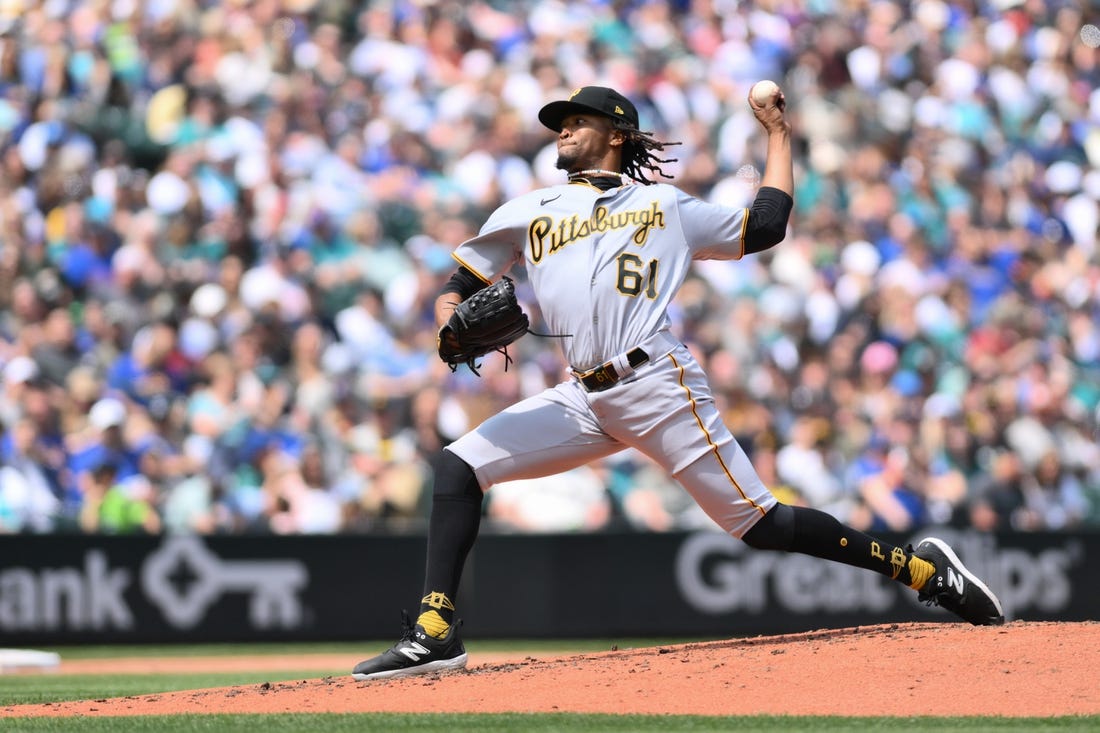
(718, 575)
(87, 589)
(99, 588)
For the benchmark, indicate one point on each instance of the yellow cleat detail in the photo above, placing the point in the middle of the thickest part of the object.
(433, 624)
(919, 572)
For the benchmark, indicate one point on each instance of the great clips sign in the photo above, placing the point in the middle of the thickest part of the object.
(1035, 577)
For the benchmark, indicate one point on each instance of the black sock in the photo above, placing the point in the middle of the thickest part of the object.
(452, 531)
(814, 532)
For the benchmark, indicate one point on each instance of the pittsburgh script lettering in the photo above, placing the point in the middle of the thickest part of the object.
(547, 236)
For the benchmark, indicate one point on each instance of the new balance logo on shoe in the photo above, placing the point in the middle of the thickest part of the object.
(955, 580)
(414, 651)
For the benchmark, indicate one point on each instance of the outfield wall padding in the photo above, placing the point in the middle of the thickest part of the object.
(62, 589)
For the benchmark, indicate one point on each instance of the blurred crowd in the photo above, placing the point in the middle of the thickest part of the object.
(223, 226)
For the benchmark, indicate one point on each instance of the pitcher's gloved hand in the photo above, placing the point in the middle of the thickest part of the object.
(488, 320)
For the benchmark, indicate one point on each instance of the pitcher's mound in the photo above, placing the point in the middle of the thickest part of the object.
(948, 669)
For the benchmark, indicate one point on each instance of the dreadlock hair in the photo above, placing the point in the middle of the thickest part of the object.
(638, 155)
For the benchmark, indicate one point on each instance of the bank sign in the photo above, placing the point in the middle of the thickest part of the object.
(180, 581)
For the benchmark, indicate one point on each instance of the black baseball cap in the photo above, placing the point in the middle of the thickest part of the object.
(601, 100)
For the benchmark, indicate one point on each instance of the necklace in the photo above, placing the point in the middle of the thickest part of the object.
(595, 172)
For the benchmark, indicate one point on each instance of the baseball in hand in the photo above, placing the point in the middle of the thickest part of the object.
(763, 92)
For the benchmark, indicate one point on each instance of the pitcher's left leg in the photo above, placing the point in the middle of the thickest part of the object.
(726, 486)
(932, 569)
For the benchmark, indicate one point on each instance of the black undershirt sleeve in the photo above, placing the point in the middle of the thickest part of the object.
(464, 282)
(767, 219)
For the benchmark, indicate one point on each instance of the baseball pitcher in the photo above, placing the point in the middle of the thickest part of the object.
(605, 253)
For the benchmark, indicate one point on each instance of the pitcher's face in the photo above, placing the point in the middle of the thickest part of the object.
(588, 141)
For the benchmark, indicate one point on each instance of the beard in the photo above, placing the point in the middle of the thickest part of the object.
(565, 161)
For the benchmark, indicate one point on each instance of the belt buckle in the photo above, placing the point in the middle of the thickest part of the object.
(603, 376)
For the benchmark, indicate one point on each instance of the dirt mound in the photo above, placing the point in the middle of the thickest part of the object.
(1020, 669)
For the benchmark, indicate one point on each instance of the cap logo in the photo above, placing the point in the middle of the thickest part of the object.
(619, 110)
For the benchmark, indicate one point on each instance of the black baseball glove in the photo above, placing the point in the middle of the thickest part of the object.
(488, 320)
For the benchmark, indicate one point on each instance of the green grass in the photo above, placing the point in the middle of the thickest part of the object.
(354, 649)
(298, 723)
(40, 688)
(208, 650)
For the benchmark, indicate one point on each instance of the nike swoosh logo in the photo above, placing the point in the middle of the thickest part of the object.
(544, 202)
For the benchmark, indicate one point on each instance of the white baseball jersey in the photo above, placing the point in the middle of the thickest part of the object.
(604, 266)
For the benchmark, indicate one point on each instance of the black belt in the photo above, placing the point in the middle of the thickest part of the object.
(606, 376)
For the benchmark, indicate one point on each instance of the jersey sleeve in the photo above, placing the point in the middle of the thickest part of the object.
(712, 232)
(496, 248)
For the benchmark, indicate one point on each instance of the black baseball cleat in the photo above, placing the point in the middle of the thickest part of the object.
(955, 588)
(415, 653)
